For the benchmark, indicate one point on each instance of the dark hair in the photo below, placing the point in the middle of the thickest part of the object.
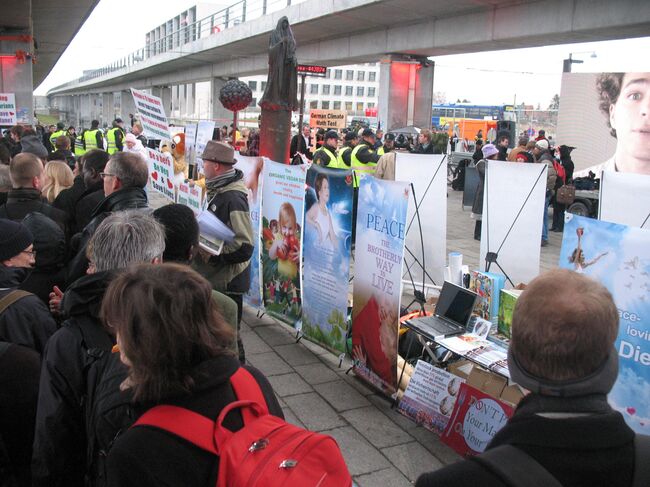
(318, 183)
(95, 159)
(167, 323)
(181, 231)
(5, 155)
(17, 130)
(94, 124)
(502, 138)
(608, 86)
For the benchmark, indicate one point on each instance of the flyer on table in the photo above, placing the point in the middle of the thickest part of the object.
(618, 256)
(252, 169)
(381, 229)
(327, 243)
(282, 210)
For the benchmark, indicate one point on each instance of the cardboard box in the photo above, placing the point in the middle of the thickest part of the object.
(488, 286)
(512, 394)
(507, 301)
(462, 368)
(487, 382)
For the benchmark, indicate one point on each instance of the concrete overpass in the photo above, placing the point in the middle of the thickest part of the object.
(335, 32)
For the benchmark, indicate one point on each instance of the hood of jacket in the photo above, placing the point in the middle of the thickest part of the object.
(49, 241)
(122, 199)
(12, 277)
(84, 296)
(18, 195)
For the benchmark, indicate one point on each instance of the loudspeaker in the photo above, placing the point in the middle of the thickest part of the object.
(507, 128)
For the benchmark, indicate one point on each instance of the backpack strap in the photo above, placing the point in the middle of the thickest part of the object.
(247, 388)
(641, 465)
(516, 468)
(11, 297)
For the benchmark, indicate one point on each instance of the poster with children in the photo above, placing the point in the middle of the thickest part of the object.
(618, 257)
(282, 209)
(327, 244)
(381, 229)
(252, 169)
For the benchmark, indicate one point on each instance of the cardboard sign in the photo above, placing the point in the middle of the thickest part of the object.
(152, 115)
(191, 196)
(161, 173)
(7, 109)
(476, 418)
(328, 119)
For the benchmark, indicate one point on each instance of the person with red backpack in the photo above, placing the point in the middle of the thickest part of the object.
(564, 167)
(208, 420)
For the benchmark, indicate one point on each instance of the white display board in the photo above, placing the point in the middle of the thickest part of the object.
(204, 134)
(513, 204)
(428, 173)
(152, 115)
(625, 199)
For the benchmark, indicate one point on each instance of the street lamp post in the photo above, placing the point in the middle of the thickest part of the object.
(566, 64)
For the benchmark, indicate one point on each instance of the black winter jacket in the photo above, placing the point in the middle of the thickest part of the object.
(89, 200)
(28, 321)
(67, 200)
(593, 449)
(146, 457)
(22, 201)
(59, 457)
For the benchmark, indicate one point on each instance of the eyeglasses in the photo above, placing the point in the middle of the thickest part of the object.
(31, 253)
(104, 175)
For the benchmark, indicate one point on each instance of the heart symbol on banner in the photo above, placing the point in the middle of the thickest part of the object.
(154, 175)
(631, 411)
(170, 185)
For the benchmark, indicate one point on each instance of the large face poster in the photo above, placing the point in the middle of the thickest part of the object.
(282, 210)
(604, 116)
(381, 230)
(327, 242)
(625, 199)
(252, 169)
(619, 257)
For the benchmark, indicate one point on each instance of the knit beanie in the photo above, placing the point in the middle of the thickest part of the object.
(33, 145)
(14, 238)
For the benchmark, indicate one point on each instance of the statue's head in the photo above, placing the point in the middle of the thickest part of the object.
(283, 23)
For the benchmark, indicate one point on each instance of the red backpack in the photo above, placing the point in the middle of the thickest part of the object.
(266, 452)
(561, 172)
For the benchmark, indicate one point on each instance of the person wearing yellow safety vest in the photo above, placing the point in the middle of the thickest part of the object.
(60, 130)
(351, 140)
(115, 137)
(389, 145)
(325, 155)
(93, 138)
(363, 158)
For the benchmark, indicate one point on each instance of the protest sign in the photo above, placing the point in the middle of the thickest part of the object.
(191, 196)
(190, 143)
(381, 230)
(204, 133)
(619, 258)
(430, 396)
(476, 418)
(152, 115)
(282, 210)
(327, 242)
(161, 173)
(327, 119)
(8, 109)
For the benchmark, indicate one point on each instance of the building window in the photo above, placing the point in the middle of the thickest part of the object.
(361, 75)
(372, 76)
(313, 104)
(349, 75)
(348, 91)
(371, 92)
(252, 85)
(326, 90)
(337, 105)
(360, 106)
(253, 102)
(263, 85)
(360, 90)
(338, 74)
(337, 89)
(313, 89)
(348, 106)
(371, 105)
(328, 73)
(325, 105)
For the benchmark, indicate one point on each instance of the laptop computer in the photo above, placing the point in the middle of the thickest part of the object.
(452, 314)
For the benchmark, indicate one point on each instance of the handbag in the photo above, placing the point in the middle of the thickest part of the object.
(566, 194)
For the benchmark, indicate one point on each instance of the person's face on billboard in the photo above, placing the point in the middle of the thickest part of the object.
(630, 116)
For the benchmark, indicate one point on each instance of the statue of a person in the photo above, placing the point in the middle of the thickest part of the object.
(282, 83)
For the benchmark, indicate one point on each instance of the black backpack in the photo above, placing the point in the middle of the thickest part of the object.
(107, 410)
(7, 473)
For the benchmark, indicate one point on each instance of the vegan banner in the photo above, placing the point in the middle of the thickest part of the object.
(619, 257)
(283, 197)
(204, 133)
(190, 143)
(327, 243)
(252, 169)
(381, 230)
(161, 173)
(152, 115)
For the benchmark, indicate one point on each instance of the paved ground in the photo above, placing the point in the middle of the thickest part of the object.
(381, 447)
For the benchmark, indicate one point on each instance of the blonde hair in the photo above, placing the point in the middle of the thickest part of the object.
(61, 178)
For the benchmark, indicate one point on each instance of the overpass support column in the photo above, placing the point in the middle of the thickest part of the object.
(108, 101)
(127, 106)
(217, 111)
(405, 92)
(17, 78)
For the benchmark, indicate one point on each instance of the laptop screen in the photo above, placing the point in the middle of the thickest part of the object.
(455, 303)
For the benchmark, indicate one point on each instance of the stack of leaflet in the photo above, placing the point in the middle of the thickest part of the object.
(213, 232)
(491, 356)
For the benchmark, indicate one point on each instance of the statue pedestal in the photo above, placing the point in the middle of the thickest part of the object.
(275, 135)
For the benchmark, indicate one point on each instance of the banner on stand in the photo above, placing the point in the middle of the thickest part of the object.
(619, 258)
(191, 196)
(379, 254)
(428, 173)
(190, 143)
(625, 199)
(327, 245)
(8, 109)
(283, 198)
(161, 173)
(152, 115)
(513, 206)
(204, 133)
(252, 169)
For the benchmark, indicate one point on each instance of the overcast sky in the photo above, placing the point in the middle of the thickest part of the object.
(118, 27)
